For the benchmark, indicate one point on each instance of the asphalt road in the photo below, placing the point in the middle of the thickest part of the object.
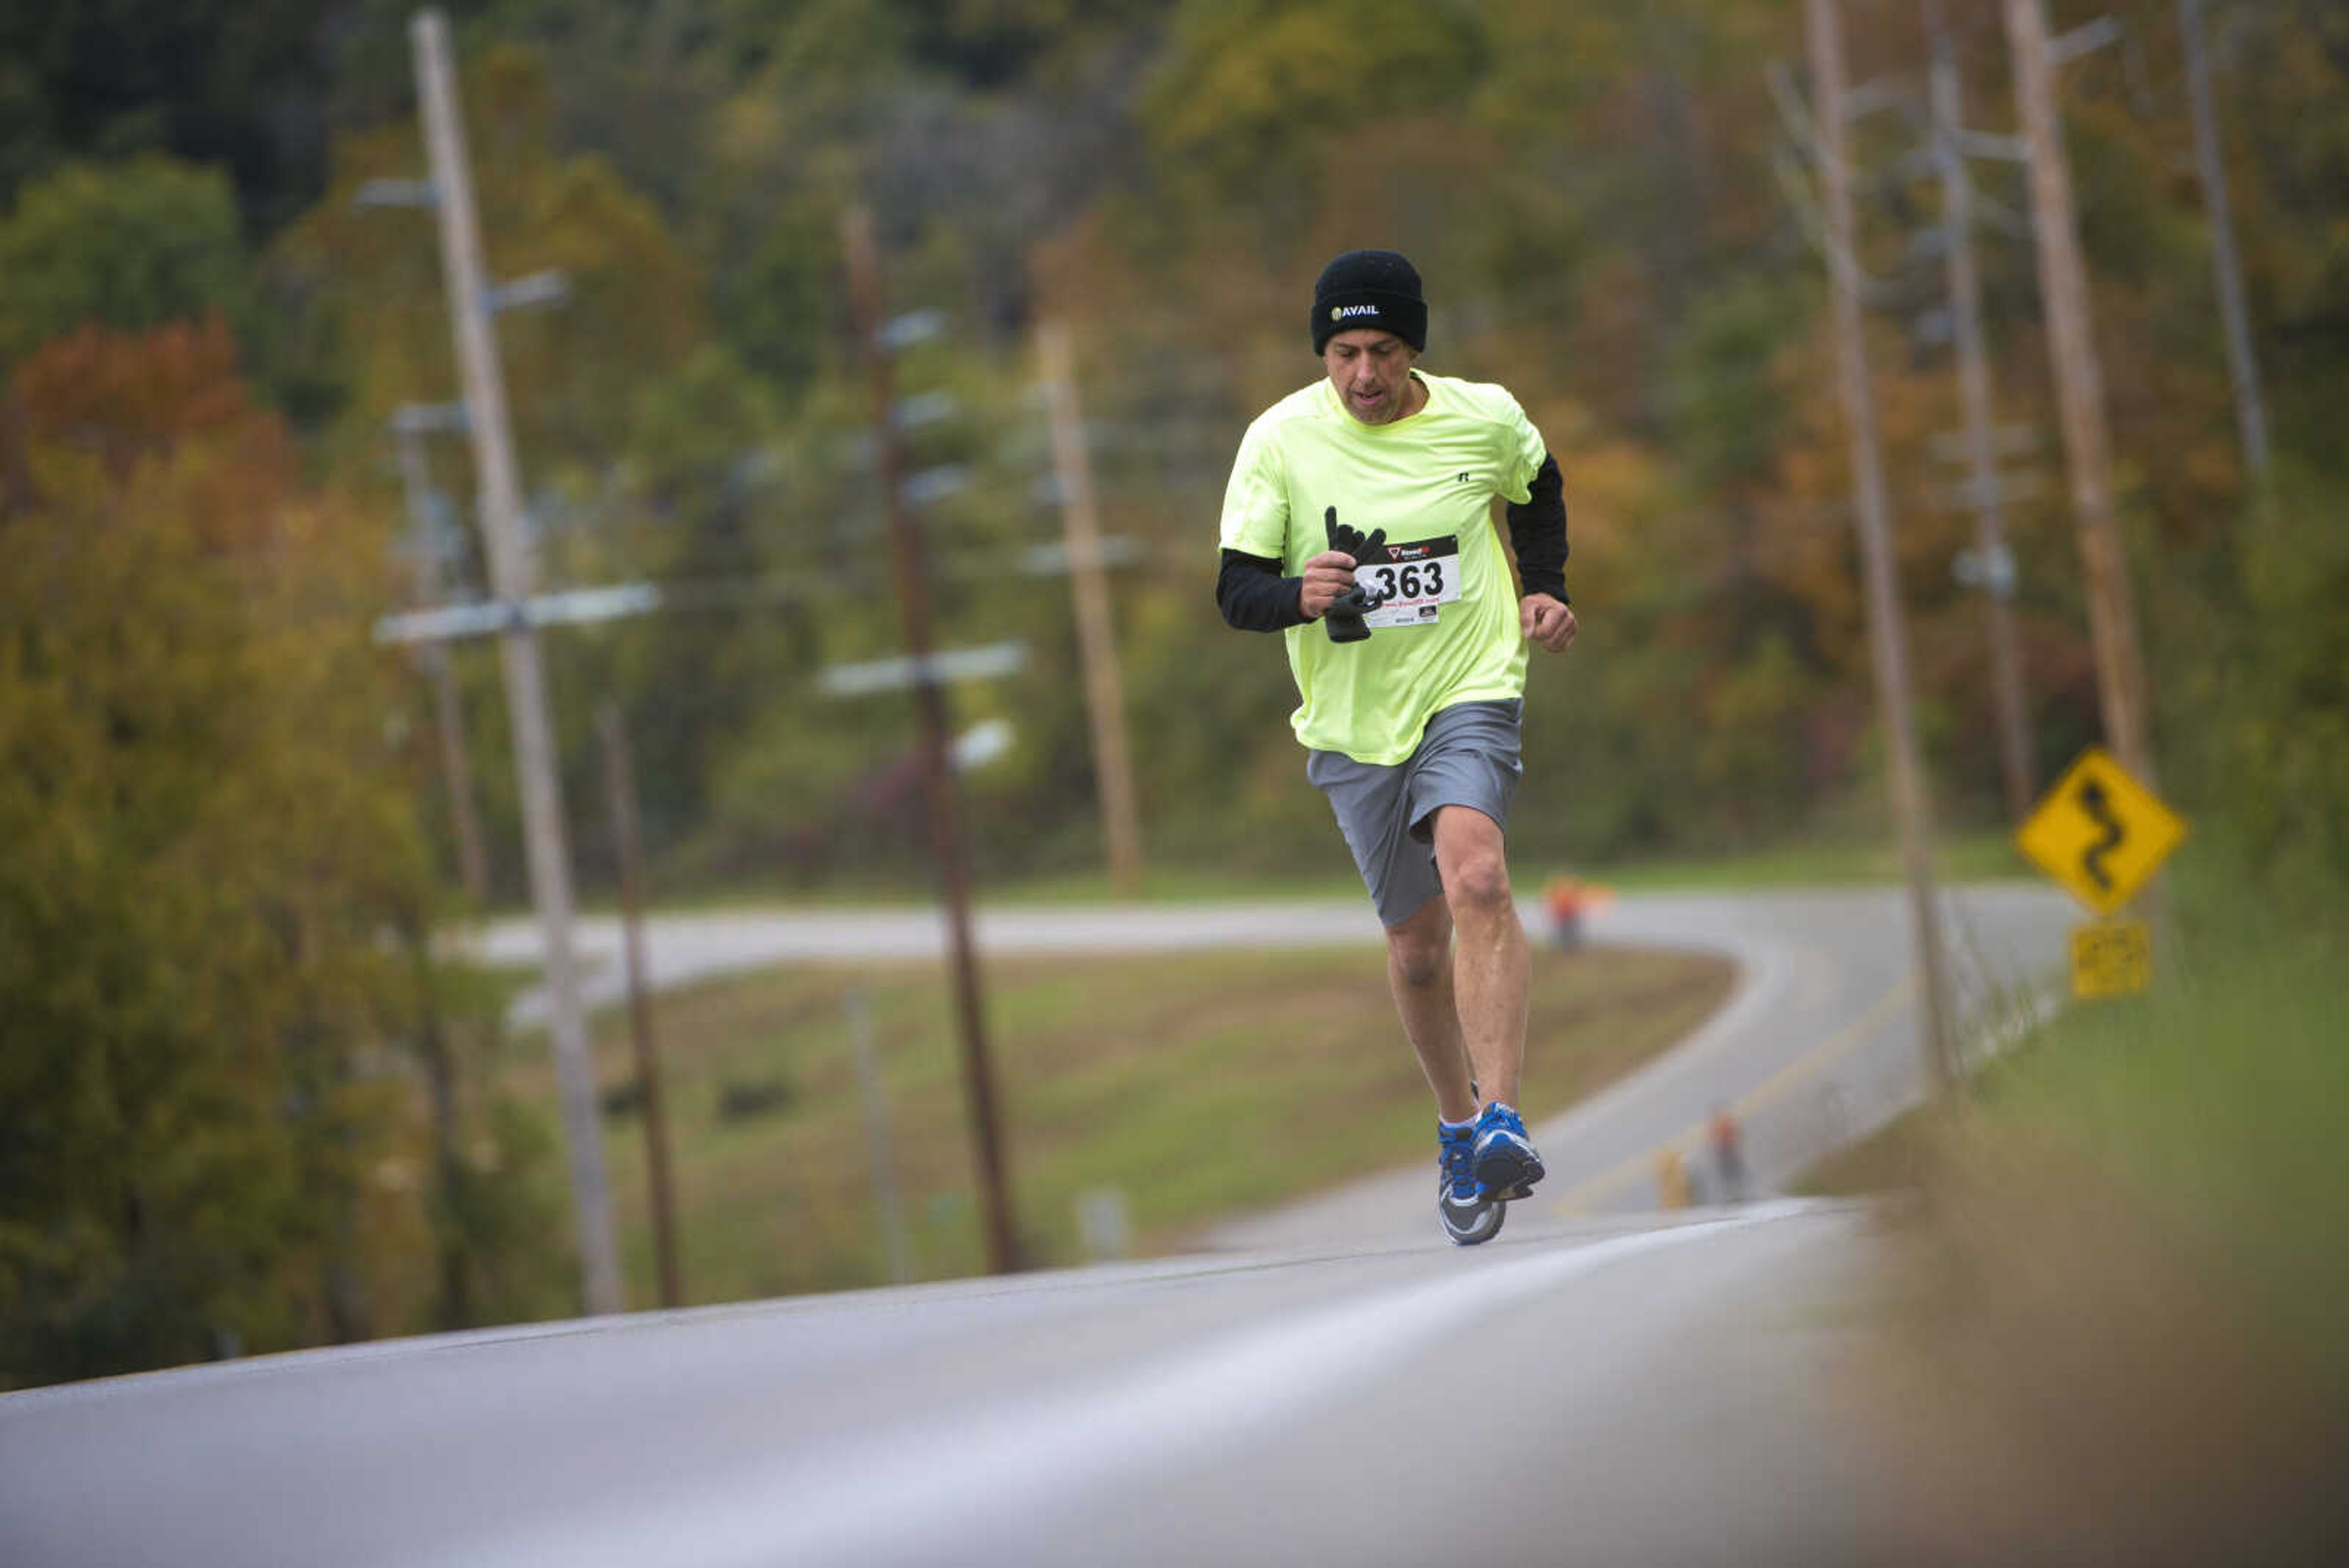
(1564, 1394)
(1589, 1388)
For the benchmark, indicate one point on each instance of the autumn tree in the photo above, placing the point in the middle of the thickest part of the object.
(127, 247)
(211, 886)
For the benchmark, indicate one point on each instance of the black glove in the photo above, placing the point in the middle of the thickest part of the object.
(1344, 617)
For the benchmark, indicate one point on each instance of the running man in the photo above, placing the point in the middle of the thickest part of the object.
(1369, 494)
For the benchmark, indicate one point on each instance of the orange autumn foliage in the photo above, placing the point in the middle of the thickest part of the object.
(121, 401)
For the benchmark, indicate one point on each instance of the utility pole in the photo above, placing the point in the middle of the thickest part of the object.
(907, 558)
(628, 857)
(2251, 418)
(545, 837)
(1886, 637)
(1096, 635)
(2080, 398)
(2015, 769)
(880, 1137)
(448, 711)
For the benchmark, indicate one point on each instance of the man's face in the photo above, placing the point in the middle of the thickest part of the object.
(1371, 372)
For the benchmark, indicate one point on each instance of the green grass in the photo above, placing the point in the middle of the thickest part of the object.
(1969, 857)
(1198, 1086)
(2131, 1268)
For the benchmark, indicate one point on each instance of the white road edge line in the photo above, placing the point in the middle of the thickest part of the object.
(937, 1485)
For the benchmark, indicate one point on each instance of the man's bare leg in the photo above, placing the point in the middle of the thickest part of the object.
(1420, 973)
(1491, 968)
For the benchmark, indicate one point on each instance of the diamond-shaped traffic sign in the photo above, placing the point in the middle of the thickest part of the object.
(2099, 831)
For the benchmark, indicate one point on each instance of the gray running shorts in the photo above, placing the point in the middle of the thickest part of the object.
(1467, 756)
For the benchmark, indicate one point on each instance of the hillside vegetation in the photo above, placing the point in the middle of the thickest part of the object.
(246, 1098)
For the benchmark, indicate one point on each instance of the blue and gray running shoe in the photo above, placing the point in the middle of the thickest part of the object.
(1470, 1215)
(1505, 1160)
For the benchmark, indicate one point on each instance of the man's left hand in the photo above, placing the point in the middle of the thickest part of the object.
(1547, 621)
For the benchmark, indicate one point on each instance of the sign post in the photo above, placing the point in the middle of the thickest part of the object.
(2102, 834)
(2111, 958)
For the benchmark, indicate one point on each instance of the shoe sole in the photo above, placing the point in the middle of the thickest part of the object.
(1510, 1170)
(1499, 1212)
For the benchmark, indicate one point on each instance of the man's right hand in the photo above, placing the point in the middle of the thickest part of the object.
(1328, 576)
(1330, 573)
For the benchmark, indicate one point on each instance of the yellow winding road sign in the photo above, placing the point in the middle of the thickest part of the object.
(2099, 831)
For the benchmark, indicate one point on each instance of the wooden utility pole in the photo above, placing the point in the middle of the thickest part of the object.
(2080, 398)
(2016, 766)
(880, 1136)
(909, 560)
(1096, 633)
(1886, 641)
(627, 859)
(2243, 369)
(447, 709)
(544, 834)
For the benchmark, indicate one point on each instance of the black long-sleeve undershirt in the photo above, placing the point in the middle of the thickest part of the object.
(1254, 597)
(1537, 530)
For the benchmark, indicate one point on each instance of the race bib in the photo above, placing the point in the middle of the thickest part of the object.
(1411, 586)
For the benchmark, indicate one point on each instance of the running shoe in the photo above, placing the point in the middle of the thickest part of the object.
(1469, 1214)
(1504, 1161)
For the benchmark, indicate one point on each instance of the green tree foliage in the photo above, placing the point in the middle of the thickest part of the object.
(1255, 94)
(128, 246)
(213, 1139)
(366, 283)
(1589, 191)
(245, 87)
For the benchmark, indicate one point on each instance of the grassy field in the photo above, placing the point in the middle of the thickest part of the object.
(1197, 1085)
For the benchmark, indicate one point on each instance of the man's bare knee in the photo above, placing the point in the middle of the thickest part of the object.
(1478, 885)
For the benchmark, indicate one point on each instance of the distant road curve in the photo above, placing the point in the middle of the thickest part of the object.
(1817, 1045)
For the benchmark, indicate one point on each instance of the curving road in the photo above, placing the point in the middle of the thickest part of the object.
(1817, 1045)
(1593, 1387)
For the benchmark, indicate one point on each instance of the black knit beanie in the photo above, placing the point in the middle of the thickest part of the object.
(1369, 288)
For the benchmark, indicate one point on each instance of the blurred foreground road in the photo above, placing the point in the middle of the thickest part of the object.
(1340, 1386)
(1603, 1394)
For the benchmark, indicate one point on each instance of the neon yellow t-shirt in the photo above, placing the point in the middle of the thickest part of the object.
(1450, 634)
